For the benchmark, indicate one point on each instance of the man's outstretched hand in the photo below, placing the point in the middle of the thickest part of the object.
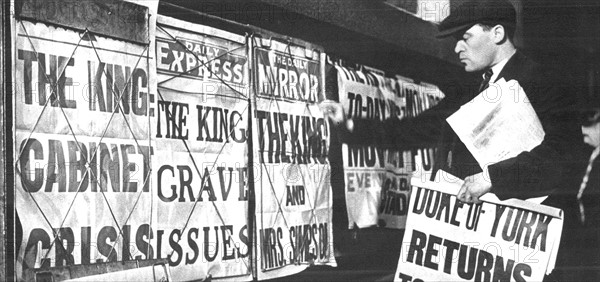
(335, 112)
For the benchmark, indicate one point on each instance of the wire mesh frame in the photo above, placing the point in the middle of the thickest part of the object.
(150, 170)
(86, 34)
(147, 177)
(204, 177)
(262, 164)
(17, 160)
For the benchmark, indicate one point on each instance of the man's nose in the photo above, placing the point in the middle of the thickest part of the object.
(459, 47)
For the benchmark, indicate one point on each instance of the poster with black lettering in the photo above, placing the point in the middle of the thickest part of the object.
(291, 142)
(447, 240)
(377, 187)
(82, 110)
(201, 150)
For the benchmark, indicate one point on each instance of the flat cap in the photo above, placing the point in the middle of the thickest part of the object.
(471, 12)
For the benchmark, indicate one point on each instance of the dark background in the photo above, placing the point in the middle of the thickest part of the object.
(560, 33)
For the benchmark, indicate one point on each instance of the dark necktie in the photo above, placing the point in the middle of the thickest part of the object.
(486, 80)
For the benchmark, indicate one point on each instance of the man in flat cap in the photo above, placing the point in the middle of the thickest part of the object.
(484, 32)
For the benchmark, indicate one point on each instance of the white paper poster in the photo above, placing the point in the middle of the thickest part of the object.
(82, 108)
(293, 191)
(377, 186)
(201, 147)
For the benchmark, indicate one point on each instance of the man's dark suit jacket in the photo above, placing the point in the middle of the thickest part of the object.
(549, 166)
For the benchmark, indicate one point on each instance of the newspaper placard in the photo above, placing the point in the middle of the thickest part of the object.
(447, 240)
(376, 179)
(82, 109)
(293, 192)
(201, 147)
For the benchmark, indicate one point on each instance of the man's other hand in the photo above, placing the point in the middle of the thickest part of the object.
(474, 187)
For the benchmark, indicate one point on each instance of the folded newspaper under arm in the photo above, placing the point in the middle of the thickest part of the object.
(498, 124)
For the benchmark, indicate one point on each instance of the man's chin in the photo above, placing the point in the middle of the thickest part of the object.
(470, 68)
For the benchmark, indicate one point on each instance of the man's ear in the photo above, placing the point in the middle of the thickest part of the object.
(498, 34)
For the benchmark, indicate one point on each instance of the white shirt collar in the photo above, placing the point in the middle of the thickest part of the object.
(497, 68)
